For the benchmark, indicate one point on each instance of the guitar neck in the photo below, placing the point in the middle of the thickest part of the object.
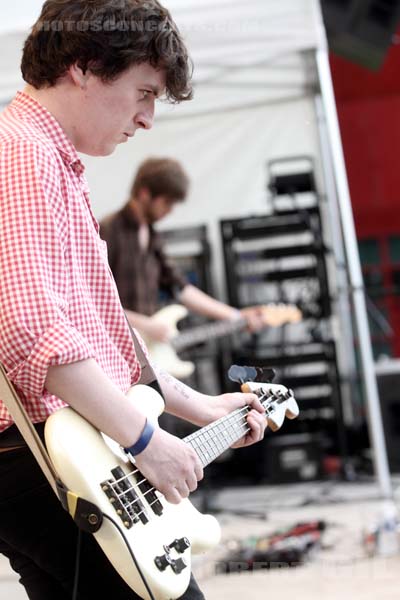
(202, 333)
(213, 439)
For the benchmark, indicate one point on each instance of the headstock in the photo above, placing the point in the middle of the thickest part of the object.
(241, 374)
(278, 401)
(278, 314)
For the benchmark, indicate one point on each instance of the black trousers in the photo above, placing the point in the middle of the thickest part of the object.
(40, 539)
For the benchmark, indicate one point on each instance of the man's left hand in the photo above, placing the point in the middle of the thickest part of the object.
(226, 403)
(255, 317)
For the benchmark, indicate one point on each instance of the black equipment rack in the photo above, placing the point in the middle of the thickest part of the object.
(189, 249)
(282, 257)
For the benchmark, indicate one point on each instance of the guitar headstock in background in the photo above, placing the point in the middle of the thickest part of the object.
(275, 315)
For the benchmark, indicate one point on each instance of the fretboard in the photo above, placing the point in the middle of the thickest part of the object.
(201, 333)
(213, 439)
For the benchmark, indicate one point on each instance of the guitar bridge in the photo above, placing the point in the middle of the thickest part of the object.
(124, 499)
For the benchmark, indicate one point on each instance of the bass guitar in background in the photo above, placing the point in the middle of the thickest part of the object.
(165, 354)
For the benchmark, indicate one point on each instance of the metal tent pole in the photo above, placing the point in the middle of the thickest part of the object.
(344, 333)
(355, 275)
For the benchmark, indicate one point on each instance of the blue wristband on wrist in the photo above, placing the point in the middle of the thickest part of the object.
(143, 440)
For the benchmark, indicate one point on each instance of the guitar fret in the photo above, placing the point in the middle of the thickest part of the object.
(203, 456)
(206, 450)
(210, 449)
(220, 446)
(211, 441)
(222, 440)
(205, 332)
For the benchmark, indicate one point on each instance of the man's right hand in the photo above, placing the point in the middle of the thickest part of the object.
(155, 330)
(172, 466)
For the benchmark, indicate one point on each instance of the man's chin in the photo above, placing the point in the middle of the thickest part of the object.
(100, 151)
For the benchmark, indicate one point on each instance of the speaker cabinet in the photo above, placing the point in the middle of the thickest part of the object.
(361, 30)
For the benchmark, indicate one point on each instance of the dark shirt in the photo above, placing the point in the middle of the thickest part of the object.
(139, 274)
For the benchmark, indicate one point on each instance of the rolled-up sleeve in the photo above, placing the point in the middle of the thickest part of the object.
(35, 330)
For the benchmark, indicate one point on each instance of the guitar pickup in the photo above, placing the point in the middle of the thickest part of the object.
(124, 499)
(149, 492)
(128, 497)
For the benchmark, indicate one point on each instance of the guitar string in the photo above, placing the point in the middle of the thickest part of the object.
(125, 477)
(150, 504)
(198, 434)
(193, 437)
(139, 483)
(150, 490)
(153, 489)
(244, 410)
(199, 332)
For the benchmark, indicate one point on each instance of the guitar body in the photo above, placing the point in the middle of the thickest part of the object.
(163, 354)
(85, 459)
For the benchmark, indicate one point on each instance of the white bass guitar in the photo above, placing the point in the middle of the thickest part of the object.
(160, 535)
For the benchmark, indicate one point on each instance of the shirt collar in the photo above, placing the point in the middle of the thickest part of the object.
(35, 112)
(129, 217)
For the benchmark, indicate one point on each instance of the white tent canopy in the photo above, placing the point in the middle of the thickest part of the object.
(260, 66)
(247, 56)
(254, 100)
(232, 43)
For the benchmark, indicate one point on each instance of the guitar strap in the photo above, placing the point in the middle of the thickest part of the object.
(85, 514)
(24, 424)
(148, 377)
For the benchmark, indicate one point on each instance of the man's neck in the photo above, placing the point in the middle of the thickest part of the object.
(143, 229)
(53, 99)
(138, 212)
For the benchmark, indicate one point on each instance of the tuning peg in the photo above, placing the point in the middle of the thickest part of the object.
(292, 408)
(275, 421)
(241, 374)
(265, 374)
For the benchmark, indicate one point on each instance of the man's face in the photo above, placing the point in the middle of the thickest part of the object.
(157, 208)
(113, 112)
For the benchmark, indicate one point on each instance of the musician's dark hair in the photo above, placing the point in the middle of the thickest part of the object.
(161, 177)
(106, 37)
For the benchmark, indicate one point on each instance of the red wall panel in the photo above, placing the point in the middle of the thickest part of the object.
(368, 106)
(370, 131)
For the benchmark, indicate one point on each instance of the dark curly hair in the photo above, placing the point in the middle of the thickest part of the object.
(106, 37)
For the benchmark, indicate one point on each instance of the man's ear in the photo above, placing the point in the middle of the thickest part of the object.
(78, 76)
(143, 195)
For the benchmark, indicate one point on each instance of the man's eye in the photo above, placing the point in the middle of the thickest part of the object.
(145, 94)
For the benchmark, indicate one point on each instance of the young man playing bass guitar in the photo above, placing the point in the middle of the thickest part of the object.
(93, 71)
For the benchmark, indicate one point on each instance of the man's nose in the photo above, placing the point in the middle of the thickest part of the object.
(145, 118)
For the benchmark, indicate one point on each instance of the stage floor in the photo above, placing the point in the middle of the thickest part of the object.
(339, 570)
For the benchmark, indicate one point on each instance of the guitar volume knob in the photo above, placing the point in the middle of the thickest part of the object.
(180, 545)
(178, 565)
(163, 561)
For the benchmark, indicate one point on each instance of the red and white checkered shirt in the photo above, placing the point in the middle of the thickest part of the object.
(58, 300)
